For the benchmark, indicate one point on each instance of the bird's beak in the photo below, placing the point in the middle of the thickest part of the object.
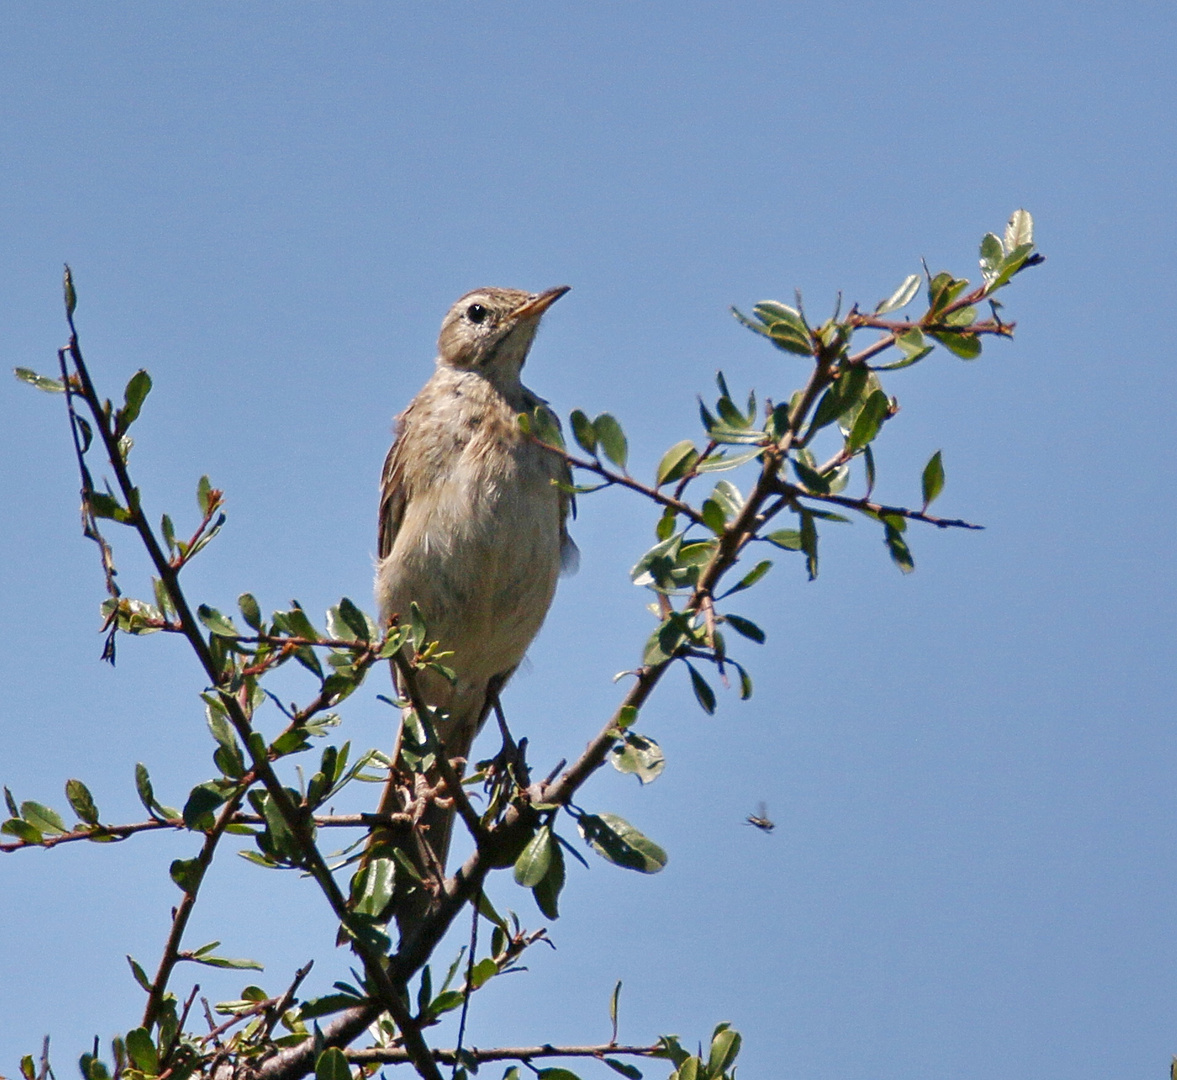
(540, 302)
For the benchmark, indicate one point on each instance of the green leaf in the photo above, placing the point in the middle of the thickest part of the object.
(676, 462)
(228, 962)
(546, 893)
(218, 723)
(1010, 265)
(487, 911)
(137, 390)
(912, 344)
(854, 387)
(139, 975)
(296, 623)
(612, 439)
(22, 830)
(82, 801)
(536, 857)
(667, 639)
(869, 420)
(725, 1045)
(186, 873)
(966, 346)
(547, 427)
(786, 338)
(901, 297)
(555, 1074)
(1019, 230)
(216, 622)
(713, 517)
(961, 317)
(355, 620)
(615, 839)
(992, 256)
(789, 539)
(71, 297)
(729, 497)
(721, 462)
(105, 505)
(670, 1049)
(326, 1005)
(42, 818)
(584, 432)
(942, 290)
(783, 320)
(142, 1051)
(933, 478)
(41, 382)
(810, 477)
(745, 627)
(639, 755)
(202, 801)
(332, 1065)
(446, 1001)
(373, 886)
(897, 546)
(169, 532)
(250, 611)
(204, 494)
(482, 972)
(703, 692)
(809, 542)
(143, 788)
(631, 1071)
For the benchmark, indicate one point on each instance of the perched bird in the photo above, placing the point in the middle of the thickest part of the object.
(472, 520)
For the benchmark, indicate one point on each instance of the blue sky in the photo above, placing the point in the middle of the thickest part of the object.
(271, 206)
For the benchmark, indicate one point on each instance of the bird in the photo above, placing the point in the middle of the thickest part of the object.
(473, 520)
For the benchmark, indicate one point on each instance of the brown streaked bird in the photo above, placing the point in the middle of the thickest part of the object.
(472, 523)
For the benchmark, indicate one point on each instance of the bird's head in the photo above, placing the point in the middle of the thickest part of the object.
(490, 330)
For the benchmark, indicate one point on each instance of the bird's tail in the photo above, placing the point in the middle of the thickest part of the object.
(427, 847)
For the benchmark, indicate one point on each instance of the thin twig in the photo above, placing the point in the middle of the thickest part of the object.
(116, 833)
(424, 713)
(283, 1003)
(469, 987)
(392, 1056)
(183, 910)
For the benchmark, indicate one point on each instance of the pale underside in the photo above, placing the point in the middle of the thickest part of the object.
(472, 530)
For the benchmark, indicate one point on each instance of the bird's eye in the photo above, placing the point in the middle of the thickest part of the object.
(476, 313)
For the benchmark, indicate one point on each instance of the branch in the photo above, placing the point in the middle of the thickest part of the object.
(380, 1055)
(390, 995)
(425, 714)
(183, 911)
(879, 510)
(624, 480)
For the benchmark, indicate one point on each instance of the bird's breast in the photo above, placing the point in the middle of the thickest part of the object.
(478, 547)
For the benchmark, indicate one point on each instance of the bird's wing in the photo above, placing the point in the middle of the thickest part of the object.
(569, 552)
(392, 492)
